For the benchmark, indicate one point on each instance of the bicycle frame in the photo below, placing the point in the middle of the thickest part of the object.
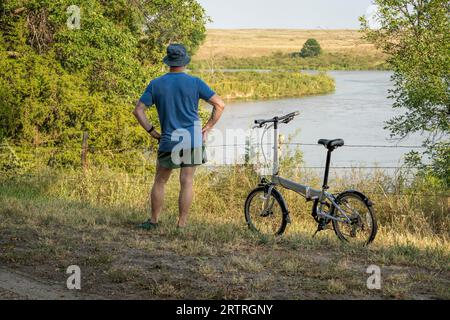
(307, 192)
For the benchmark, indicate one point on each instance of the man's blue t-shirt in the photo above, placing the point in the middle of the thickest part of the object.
(176, 96)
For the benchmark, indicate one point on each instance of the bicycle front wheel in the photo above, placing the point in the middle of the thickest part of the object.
(265, 213)
(363, 227)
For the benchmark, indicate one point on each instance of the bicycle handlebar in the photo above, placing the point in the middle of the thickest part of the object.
(284, 119)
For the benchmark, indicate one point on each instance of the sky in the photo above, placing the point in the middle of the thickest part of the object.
(287, 14)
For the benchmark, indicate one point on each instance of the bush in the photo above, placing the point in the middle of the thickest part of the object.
(311, 48)
(268, 85)
(57, 82)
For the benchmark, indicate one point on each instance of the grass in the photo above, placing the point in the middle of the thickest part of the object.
(258, 85)
(245, 43)
(53, 219)
(272, 49)
(286, 62)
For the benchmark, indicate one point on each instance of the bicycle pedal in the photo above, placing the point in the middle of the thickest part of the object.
(319, 228)
(288, 219)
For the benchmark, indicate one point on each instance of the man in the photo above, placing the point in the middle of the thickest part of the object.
(176, 96)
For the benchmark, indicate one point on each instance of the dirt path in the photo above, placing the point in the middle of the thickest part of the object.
(16, 285)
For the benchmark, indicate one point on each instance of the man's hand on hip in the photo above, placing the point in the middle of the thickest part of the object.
(155, 134)
(205, 132)
(218, 107)
(139, 113)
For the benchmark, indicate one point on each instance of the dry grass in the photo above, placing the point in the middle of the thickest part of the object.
(52, 220)
(247, 43)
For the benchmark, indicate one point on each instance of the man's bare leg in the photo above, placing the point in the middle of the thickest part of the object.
(157, 194)
(186, 194)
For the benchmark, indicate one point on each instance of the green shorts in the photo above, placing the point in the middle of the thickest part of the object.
(185, 158)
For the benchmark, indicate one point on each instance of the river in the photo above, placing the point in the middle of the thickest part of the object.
(355, 112)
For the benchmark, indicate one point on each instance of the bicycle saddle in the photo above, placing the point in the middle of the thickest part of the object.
(331, 144)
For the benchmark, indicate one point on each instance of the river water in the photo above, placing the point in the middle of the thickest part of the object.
(355, 112)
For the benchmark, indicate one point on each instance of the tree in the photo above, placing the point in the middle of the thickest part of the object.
(56, 82)
(311, 48)
(414, 34)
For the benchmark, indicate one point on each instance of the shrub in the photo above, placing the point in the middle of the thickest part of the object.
(311, 48)
(57, 82)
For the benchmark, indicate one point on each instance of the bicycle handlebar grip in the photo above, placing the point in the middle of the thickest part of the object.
(293, 114)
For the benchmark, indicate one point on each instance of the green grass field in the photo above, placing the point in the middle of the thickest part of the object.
(286, 62)
(260, 85)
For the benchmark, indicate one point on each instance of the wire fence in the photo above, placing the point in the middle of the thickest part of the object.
(152, 149)
(140, 179)
(355, 167)
(124, 149)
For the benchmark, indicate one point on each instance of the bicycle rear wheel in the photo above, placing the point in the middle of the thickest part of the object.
(265, 213)
(363, 228)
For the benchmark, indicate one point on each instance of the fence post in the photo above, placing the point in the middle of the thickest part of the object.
(84, 151)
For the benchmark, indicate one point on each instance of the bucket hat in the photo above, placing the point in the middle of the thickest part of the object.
(177, 56)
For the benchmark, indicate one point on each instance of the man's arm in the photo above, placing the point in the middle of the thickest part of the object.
(139, 113)
(218, 107)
